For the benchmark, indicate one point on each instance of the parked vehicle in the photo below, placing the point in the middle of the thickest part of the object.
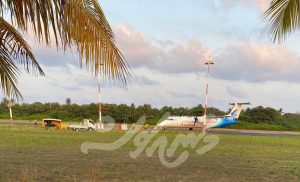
(53, 123)
(87, 124)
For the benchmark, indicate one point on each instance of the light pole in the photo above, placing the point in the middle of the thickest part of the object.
(99, 97)
(208, 63)
(9, 105)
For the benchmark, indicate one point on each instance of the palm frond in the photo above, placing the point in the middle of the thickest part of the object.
(284, 17)
(96, 45)
(79, 23)
(17, 48)
(14, 48)
(8, 75)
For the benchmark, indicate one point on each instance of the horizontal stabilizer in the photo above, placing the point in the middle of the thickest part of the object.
(240, 103)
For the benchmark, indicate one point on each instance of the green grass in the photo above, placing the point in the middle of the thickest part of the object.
(34, 154)
(281, 126)
(259, 126)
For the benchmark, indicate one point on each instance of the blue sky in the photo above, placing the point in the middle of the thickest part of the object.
(166, 43)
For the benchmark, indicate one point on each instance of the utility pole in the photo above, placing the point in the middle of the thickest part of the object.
(208, 63)
(9, 105)
(99, 97)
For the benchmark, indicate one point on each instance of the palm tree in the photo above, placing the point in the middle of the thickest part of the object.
(79, 24)
(284, 18)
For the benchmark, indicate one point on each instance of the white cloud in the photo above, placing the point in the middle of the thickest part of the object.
(136, 48)
(142, 80)
(141, 52)
(236, 61)
(257, 63)
(236, 92)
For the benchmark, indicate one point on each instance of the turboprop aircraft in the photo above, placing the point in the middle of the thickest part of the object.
(205, 122)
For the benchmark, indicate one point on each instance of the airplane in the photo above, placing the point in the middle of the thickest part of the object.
(203, 122)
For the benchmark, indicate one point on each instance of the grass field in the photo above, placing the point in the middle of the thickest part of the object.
(34, 154)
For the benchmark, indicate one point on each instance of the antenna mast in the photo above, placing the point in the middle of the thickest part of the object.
(99, 95)
(9, 105)
(208, 63)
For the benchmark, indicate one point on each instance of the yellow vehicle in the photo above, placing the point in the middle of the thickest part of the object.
(53, 123)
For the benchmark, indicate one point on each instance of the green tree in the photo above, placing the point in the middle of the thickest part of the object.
(261, 115)
(215, 111)
(131, 113)
(68, 101)
(166, 109)
(181, 111)
(4, 101)
(74, 23)
(198, 110)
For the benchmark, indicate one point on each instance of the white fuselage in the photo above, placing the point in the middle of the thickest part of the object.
(208, 121)
(188, 122)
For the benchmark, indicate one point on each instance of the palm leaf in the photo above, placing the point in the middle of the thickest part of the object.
(8, 75)
(284, 17)
(96, 45)
(17, 47)
(14, 47)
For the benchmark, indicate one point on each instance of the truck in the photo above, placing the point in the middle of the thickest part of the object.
(53, 123)
(87, 124)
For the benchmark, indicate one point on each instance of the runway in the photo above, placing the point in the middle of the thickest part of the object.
(218, 131)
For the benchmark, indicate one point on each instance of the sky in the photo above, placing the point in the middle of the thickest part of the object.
(166, 44)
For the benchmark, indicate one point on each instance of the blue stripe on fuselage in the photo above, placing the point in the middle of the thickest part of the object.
(225, 122)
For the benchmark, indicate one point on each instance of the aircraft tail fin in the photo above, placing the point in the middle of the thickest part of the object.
(236, 110)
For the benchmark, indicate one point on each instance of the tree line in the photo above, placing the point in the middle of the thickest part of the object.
(131, 113)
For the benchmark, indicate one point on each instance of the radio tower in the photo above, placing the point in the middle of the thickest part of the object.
(208, 63)
(100, 124)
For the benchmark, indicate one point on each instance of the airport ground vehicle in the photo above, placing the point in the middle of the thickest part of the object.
(87, 124)
(53, 123)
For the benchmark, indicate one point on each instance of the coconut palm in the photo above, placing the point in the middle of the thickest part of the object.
(284, 18)
(79, 24)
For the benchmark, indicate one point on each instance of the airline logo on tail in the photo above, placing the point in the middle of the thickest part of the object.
(236, 110)
(233, 114)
